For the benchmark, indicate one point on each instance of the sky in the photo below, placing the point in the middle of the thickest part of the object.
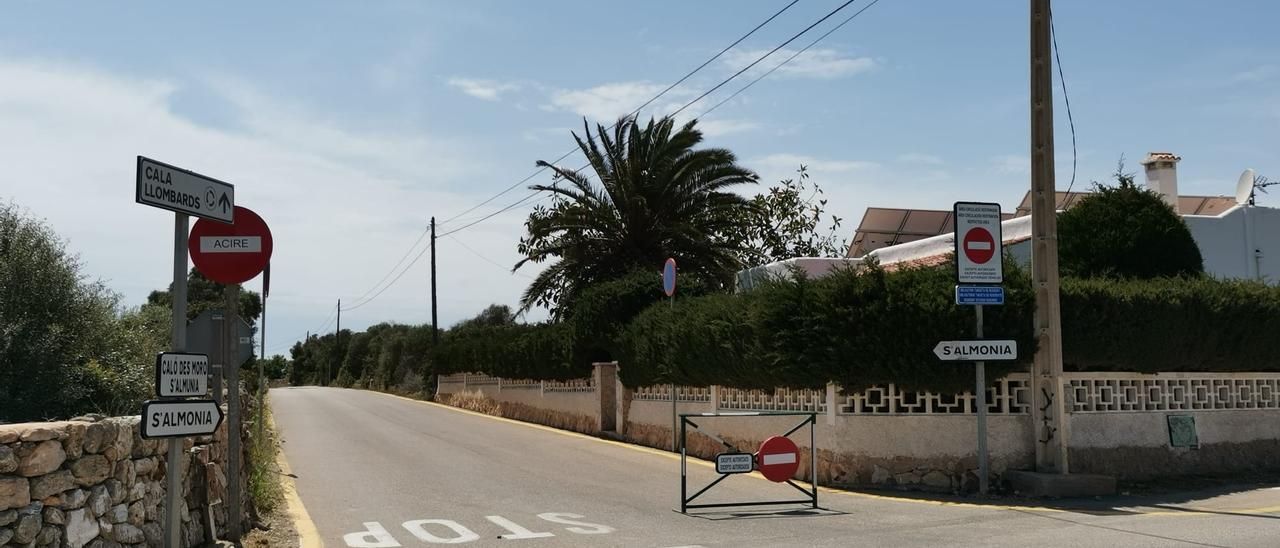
(348, 125)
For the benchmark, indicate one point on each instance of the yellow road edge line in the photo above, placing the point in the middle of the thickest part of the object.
(832, 490)
(308, 535)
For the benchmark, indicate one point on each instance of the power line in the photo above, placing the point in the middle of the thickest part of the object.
(1063, 80)
(633, 112)
(708, 92)
(391, 283)
(491, 215)
(290, 341)
(488, 260)
(762, 57)
(789, 59)
(398, 263)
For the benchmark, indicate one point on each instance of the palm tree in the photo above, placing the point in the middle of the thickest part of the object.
(657, 197)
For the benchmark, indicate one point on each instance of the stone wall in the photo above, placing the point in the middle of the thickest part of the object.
(95, 482)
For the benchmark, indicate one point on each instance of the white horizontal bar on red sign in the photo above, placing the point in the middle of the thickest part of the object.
(231, 244)
(778, 458)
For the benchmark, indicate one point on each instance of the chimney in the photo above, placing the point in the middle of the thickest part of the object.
(1162, 176)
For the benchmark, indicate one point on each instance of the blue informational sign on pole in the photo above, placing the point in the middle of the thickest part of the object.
(979, 294)
(669, 278)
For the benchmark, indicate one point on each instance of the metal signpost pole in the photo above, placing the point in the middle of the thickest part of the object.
(674, 443)
(980, 402)
(232, 316)
(262, 355)
(173, 467)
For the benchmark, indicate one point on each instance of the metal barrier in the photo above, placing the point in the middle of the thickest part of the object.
(778, 470)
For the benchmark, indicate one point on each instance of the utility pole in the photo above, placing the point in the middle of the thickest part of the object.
(435, 328)
(1049, 424)
(337, 341)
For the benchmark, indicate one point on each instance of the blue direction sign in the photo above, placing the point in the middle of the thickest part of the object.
(979, 294)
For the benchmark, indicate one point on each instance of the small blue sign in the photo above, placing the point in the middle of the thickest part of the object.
(979, 294)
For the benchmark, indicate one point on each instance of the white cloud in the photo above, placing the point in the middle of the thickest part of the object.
(342, 205)
(918, 158)
(1012, 164)
(1257, 74)
(608, 102)
(717, 128)
(489, 90)
(815, 63)
(791, 162)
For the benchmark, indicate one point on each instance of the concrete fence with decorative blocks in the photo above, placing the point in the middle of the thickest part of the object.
(1120, 423)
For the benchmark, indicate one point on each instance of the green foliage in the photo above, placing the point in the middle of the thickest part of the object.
(1124, 231)
(65, 349)
(205, 294)
(603, 310)
(385, 356)
(516, 351)
(855, 327)
(784, 223)
(657, 196)
(494, 314)
(1172, 324)
(266, 489)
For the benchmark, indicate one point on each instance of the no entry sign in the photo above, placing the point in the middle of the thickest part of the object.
(231, 253)
(669, 277)
(778, 459)
(978, 239)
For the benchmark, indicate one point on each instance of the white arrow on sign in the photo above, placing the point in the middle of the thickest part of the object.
(974, 351)
(179, 418)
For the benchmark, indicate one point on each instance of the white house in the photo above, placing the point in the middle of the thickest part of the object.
(1236, 240)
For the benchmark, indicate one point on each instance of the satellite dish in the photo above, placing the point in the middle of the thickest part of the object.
(1244, 187)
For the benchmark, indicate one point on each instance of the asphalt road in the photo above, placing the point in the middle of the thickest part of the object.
(376, 470)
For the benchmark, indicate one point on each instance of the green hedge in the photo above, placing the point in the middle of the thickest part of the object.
(872, 327)
(857, 328)
(1172, 324)
(517, 351)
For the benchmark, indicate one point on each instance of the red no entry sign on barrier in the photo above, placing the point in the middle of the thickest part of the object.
(778, 459)
(231, 253)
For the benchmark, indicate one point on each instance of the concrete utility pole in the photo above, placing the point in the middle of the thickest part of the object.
(337, 342)
(1050, 426)
(435, 329)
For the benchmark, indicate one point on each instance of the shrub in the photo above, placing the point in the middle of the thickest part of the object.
(1171, 324)
(1125, 231)
(855, 327)
(517, 351)
(64, 349)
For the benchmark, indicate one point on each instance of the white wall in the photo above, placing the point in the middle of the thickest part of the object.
(1223, 242)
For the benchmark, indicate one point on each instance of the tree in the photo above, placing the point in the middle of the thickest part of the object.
(65, 347)
(657, 196)
(205, 294)
(784, 224)
(1125, 231)
(494, 314)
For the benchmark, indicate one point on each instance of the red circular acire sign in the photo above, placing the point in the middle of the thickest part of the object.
(231, 253)
(778, 459)
(979, 245)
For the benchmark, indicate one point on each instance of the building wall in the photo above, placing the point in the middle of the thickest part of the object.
(1224, 242)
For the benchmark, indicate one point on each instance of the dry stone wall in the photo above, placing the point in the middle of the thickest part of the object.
(95, 482)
